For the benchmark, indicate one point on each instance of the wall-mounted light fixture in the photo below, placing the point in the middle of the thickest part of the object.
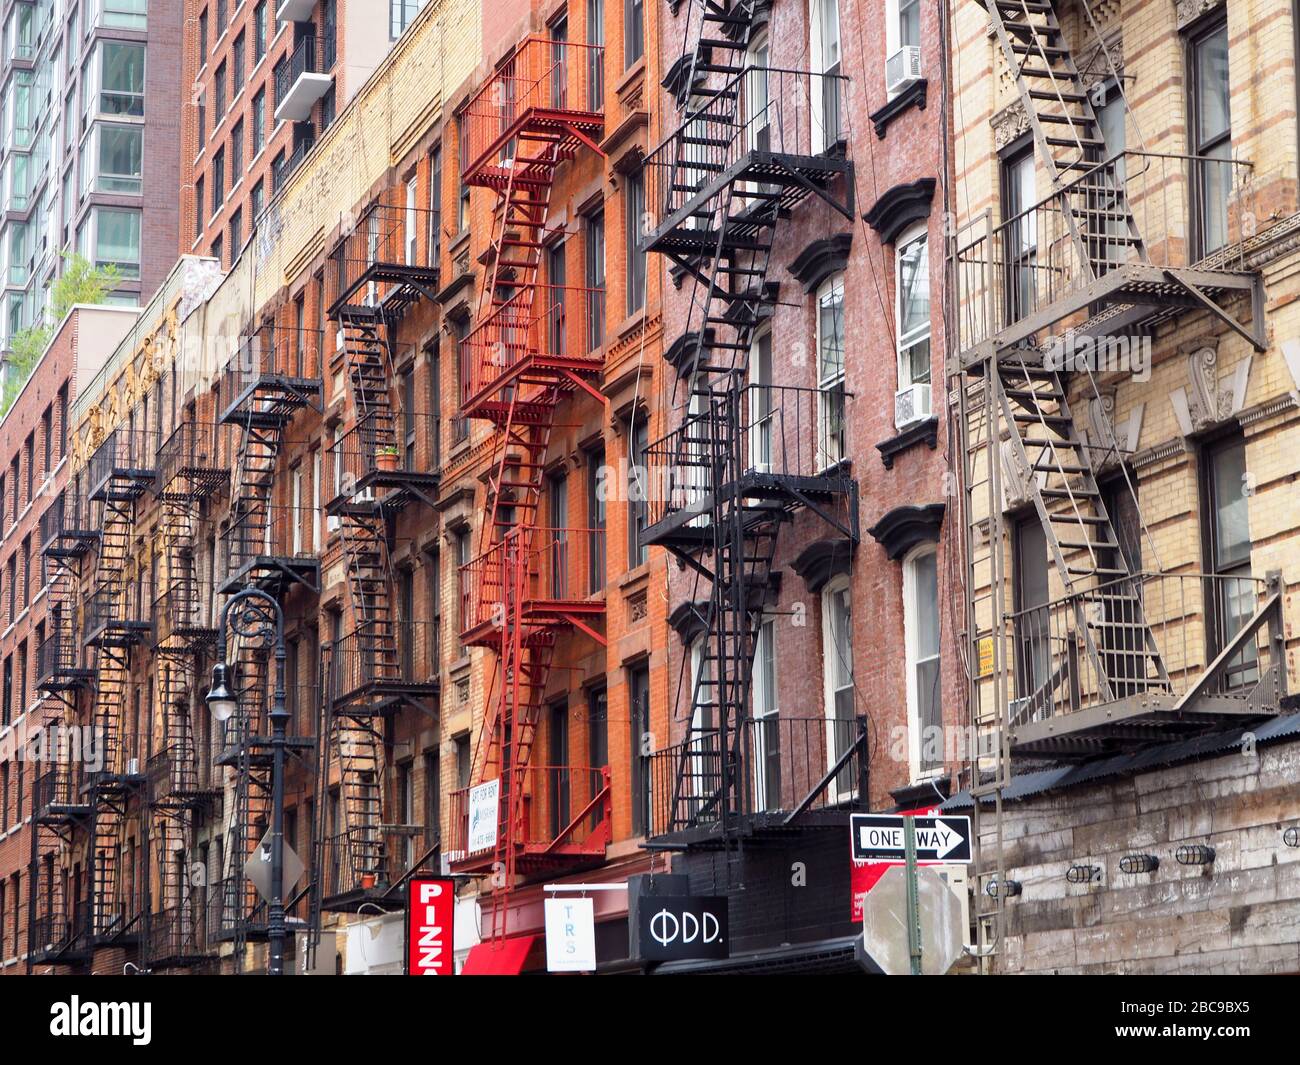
(1083, 874)
(1139, 863)
(1006, 888)
(1194, 854)
(1291, 837)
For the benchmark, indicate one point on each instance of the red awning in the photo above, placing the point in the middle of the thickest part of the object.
(498, 959)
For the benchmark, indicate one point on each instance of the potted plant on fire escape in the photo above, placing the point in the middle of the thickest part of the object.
(386, 458)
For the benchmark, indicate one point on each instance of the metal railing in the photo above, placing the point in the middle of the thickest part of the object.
(753, 432)
(57, 657)
(177, 932)
(58, 786)
(311, 55)
(179, 771)
(126, 458)
(758, 110)
(272, 355)
(130, 606)
(1146, 635)
(401, 654)
(557, 809)
(390, 445)
(538, 75)
(348, 858)
(274, 530)
(384, 249)
(194, 459)
(1182, 206)
(535, 568)
(778, 766)
(536, 323)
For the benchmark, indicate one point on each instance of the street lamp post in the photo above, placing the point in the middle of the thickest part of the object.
(260, 616)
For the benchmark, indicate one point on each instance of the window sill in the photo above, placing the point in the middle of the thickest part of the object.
(915, 93)
(926, 430)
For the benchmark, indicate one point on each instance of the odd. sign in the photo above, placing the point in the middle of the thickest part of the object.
(881, 838)
(683, 927)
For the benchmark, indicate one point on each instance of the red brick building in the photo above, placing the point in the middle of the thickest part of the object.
(33, 450)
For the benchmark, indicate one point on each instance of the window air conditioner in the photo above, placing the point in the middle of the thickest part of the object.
(903, 67)
(911, 404)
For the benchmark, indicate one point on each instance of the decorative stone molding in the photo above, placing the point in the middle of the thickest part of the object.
(820, 259)
(1017, 483)
(1162, 452)
(1208, 400)
(688, 620)
(822, 560)
(1008, 124)
(900, 207)
(1188, 11)
(925, 431)
(904, 527)
(913, 95)
(1109, 442)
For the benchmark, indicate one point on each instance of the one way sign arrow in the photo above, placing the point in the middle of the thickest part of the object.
(879, 838)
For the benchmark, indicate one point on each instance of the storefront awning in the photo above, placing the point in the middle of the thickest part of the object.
(498, 959)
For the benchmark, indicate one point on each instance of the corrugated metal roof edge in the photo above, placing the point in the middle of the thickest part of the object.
(1275, 730)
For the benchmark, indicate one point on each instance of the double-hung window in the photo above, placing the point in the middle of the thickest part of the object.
(1211, 136)
(830, 371)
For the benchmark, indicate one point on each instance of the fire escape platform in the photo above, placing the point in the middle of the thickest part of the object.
(118, 633)
(540, 617)
(405, 283)
(780, 180)
(557, 125)
(1131, 723)
(274, 573)
(774, 828)
(270, 400)
(71, 543)
(774, 495)
(536, 371)
(378, 698)
(1129, 297)
(390, 490)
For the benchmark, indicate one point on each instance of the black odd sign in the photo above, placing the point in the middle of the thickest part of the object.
(682, 927)
(881, 838)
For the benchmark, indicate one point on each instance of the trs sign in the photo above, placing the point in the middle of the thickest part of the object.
(430, 913)
(879, 838)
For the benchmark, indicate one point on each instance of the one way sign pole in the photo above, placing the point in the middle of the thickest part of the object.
(883, 838)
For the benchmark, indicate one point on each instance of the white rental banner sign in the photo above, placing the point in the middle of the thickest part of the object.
(570, 935)
(483, 816)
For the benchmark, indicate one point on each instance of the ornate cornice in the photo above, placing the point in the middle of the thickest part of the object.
(822, 560)
(820, 259)
(904, 527)
(900, 207)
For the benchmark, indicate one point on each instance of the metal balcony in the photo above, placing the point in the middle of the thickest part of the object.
(193, 461)
(177, 937)
(274, 373)
(548, 91)
(562, 820)
(1064, 267)
(526, 347)
(780, 774)
(123, 466)
(346, 887)
(1145, 658)
(119, 617)
(272, 547)
(545, 576)
(368, 676)
(773, 136)
(780, 449)
(388, 259)
(59, 938)
(305, 77)
(178, 777)
(57, 796)
(67, 528)
(379, 465)
(58, 666)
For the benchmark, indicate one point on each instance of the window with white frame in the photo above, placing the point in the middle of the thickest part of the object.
(703, 741)
(912, 286)
(837, 674)
(824, 30)
(921, 642)
(902, 43)
(830, 370)
(412, 222)
(760, 403)
(765, 746)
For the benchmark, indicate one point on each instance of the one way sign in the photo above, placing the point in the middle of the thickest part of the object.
(879, 838)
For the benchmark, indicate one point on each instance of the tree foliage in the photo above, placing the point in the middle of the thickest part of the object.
(80, 282)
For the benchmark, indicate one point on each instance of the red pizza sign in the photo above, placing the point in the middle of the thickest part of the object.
(430, 914)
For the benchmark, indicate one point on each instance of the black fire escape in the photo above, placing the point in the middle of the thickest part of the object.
(180, 773)
(376, 469)
(752, 145)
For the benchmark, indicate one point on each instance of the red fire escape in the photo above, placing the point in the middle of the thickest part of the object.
(528, 584)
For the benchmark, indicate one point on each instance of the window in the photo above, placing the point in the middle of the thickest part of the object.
(766, 741)
(200, 205)
(238, 59)
(218, 179)
(219, 94)
(462, 560)
(595, 279)
(203, 37)
(825, 32)
(1211, 136)
(124, 14)
(121, 79)
(412, 222)
(760, 404)
(555, 311)
(1018, 198)
(560, 782)
(1111, 113)
(633, 31)
(432, 797)
(1032, 617)
(257, 201)
(634, 205)
(638, 490)
(435, 206)
(595, 56)
(1227, 546)
(596, 519)
(639, 718)
(912, 284)
(237, 153)
(117, 240)
(236, 232)
(462, 148)
(837, 666)
(259, 31)
(830, 370)
(921, 634)
(121, 158)
(557, 490)
(400, 14)
(464, 763)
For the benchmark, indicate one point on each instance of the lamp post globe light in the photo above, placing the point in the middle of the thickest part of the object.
(256, 615)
